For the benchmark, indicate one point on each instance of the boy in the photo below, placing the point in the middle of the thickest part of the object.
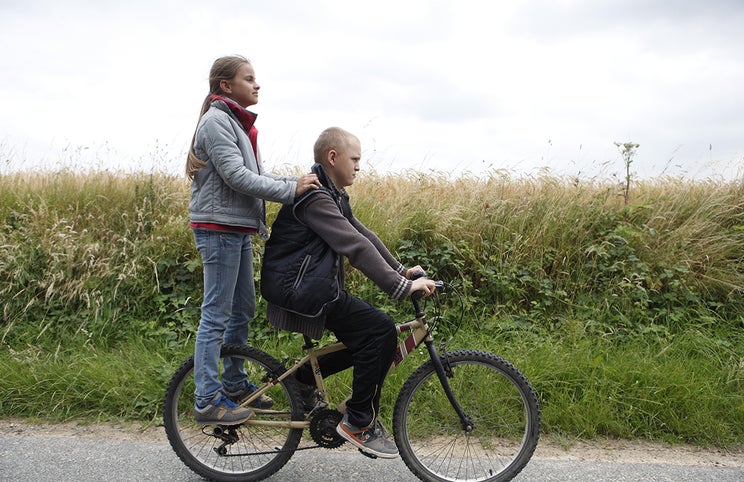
(302, 278)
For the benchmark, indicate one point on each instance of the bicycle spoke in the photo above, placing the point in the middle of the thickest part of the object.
(247, 451)
(498, 400)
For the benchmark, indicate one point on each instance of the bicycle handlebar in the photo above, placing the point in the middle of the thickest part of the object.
(417, 274)
(417, 295)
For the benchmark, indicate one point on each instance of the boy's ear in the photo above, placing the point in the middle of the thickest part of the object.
(331, 157)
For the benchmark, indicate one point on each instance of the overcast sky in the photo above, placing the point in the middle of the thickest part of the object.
(451, 86)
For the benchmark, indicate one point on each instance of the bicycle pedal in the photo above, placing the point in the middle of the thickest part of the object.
(372, 456)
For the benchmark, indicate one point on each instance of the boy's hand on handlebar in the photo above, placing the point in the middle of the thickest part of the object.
(415, 272)
(425, 285)
(307, 182)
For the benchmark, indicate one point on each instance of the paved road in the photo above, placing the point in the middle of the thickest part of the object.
(32, 458)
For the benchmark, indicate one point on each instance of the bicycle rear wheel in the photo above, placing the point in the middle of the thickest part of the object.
(243, 452)
(496, 397)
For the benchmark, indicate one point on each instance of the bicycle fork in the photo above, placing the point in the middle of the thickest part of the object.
(444, 374)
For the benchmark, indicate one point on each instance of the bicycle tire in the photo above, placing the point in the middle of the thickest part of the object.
(255, 452)
(496, 396)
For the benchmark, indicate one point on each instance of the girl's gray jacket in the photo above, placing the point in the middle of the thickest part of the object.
(231, 189)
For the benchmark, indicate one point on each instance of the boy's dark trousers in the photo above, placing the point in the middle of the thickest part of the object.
(371, 340)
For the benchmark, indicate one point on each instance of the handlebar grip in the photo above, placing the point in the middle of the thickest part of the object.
(417, 274)
(416, 295)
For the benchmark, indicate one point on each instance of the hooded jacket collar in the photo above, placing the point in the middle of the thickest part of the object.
(323, 176)
(339, 195)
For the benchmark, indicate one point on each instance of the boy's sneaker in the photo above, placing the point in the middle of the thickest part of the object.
(264, 401)
(221, 411)
(372, 440)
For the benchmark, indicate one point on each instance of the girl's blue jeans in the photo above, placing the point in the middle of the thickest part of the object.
(228, 307)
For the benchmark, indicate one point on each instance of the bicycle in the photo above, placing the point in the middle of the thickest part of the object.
(461, 415)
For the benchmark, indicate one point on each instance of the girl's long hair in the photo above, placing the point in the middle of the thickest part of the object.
(224, 68)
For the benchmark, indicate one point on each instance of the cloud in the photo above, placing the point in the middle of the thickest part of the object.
(452, 85)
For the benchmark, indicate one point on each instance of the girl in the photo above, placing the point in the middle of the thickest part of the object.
(228, 189)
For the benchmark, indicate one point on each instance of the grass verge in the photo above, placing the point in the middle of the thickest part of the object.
(681, 390)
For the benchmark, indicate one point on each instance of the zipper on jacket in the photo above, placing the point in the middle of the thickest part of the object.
(301, 272)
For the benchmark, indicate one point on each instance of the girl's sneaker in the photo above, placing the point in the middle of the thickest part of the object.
(264, 401)
(221, 411)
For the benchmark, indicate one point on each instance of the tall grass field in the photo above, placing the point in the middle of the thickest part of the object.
(623, 304)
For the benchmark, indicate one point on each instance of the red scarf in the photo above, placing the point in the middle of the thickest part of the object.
(246, 118)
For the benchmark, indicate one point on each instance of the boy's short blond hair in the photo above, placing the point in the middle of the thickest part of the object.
(331, 139)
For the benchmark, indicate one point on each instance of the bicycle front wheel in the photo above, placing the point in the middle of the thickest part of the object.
(500, 404)
(250, 451)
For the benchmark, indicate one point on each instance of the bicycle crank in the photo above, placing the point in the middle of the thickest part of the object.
(323, 428)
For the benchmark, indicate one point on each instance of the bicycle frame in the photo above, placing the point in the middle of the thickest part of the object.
(419, 332)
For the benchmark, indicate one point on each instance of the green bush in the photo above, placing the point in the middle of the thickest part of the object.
(627, 316)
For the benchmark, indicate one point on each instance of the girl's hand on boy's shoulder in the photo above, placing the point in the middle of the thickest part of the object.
(307, 182)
